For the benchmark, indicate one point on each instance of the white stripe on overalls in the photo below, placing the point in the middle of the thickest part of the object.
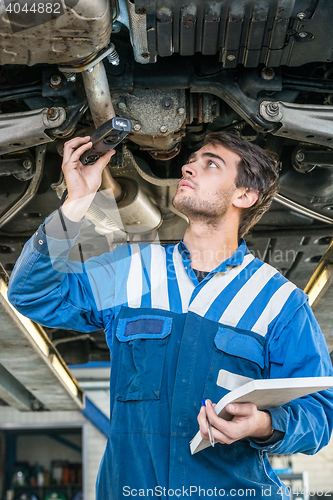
(273, 308)
(185, 284)
(215, 286)
(246, 295)
(159, 278)
(134, 281)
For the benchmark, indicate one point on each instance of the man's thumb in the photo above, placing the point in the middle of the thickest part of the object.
(241, 409)
(104, 160)
(230, 408)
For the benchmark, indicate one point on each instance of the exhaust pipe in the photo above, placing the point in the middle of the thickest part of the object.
(137, 212)
(99, 99)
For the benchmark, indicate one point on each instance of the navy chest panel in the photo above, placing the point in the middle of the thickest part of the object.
(175, 360)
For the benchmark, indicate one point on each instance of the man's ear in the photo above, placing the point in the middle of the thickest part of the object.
(246, 198)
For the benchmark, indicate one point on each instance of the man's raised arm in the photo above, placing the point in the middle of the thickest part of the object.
(44, 285)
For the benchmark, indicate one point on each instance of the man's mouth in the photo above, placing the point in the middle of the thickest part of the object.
(184, 184)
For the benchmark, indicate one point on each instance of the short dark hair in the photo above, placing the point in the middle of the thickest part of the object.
(256, 170)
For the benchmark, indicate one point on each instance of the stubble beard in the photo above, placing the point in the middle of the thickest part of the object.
(209, 209)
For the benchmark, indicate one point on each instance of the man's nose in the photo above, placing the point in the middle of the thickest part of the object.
(189, 169)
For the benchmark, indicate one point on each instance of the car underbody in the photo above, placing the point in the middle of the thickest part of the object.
(262, 69)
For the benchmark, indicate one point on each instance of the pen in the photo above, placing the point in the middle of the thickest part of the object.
(211, 438)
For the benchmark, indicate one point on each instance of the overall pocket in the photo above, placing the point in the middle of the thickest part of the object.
(238, 357)
(142, 355)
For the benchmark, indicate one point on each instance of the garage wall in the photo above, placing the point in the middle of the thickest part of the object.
(93, 441)
(45, 449)
(95, 447)
(319, 467)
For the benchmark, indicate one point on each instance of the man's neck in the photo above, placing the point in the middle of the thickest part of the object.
(210, 246)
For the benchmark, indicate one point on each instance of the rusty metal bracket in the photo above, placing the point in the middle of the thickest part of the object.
(32, 188)
(109, 52)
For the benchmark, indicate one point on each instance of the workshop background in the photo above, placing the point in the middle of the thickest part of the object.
(261, 69)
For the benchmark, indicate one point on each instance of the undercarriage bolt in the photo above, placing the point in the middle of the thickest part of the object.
(301, 15)
(122, 105)
(299, 156)
(268, 73)
(137, 127)
(231, 57)
(55, 81)
(113, 58)
(53, 113)
(116, 27)
(70, 76)
(163, 129)
(302, 34)
(27, 164)
(167, 103)
(181, 111)
(272, 109)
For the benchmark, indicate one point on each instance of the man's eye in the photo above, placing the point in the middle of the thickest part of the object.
(212, 164)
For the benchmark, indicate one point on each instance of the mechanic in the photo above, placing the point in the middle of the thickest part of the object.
(177, 318)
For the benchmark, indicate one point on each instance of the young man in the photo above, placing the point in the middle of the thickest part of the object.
(176, 319)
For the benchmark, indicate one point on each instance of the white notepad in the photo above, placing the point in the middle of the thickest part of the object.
(265, 394)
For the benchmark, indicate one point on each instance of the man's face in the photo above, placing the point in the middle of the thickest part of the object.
(207, 189)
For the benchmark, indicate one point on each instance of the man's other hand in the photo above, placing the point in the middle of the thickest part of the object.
(247, 421)
(82, 181)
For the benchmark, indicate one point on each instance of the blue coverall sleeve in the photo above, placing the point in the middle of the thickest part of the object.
(299, 350)
(55, 292)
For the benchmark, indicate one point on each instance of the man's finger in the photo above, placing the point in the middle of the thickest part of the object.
(104, 160)
(202, 417)
(72, 145)
(223, 431)
(216, 421)
(211, 412)
(75, 157)
(202, 420)
(219, 437)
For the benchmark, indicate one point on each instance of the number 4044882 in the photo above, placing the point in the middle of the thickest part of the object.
(304, 492)
(36, 8)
